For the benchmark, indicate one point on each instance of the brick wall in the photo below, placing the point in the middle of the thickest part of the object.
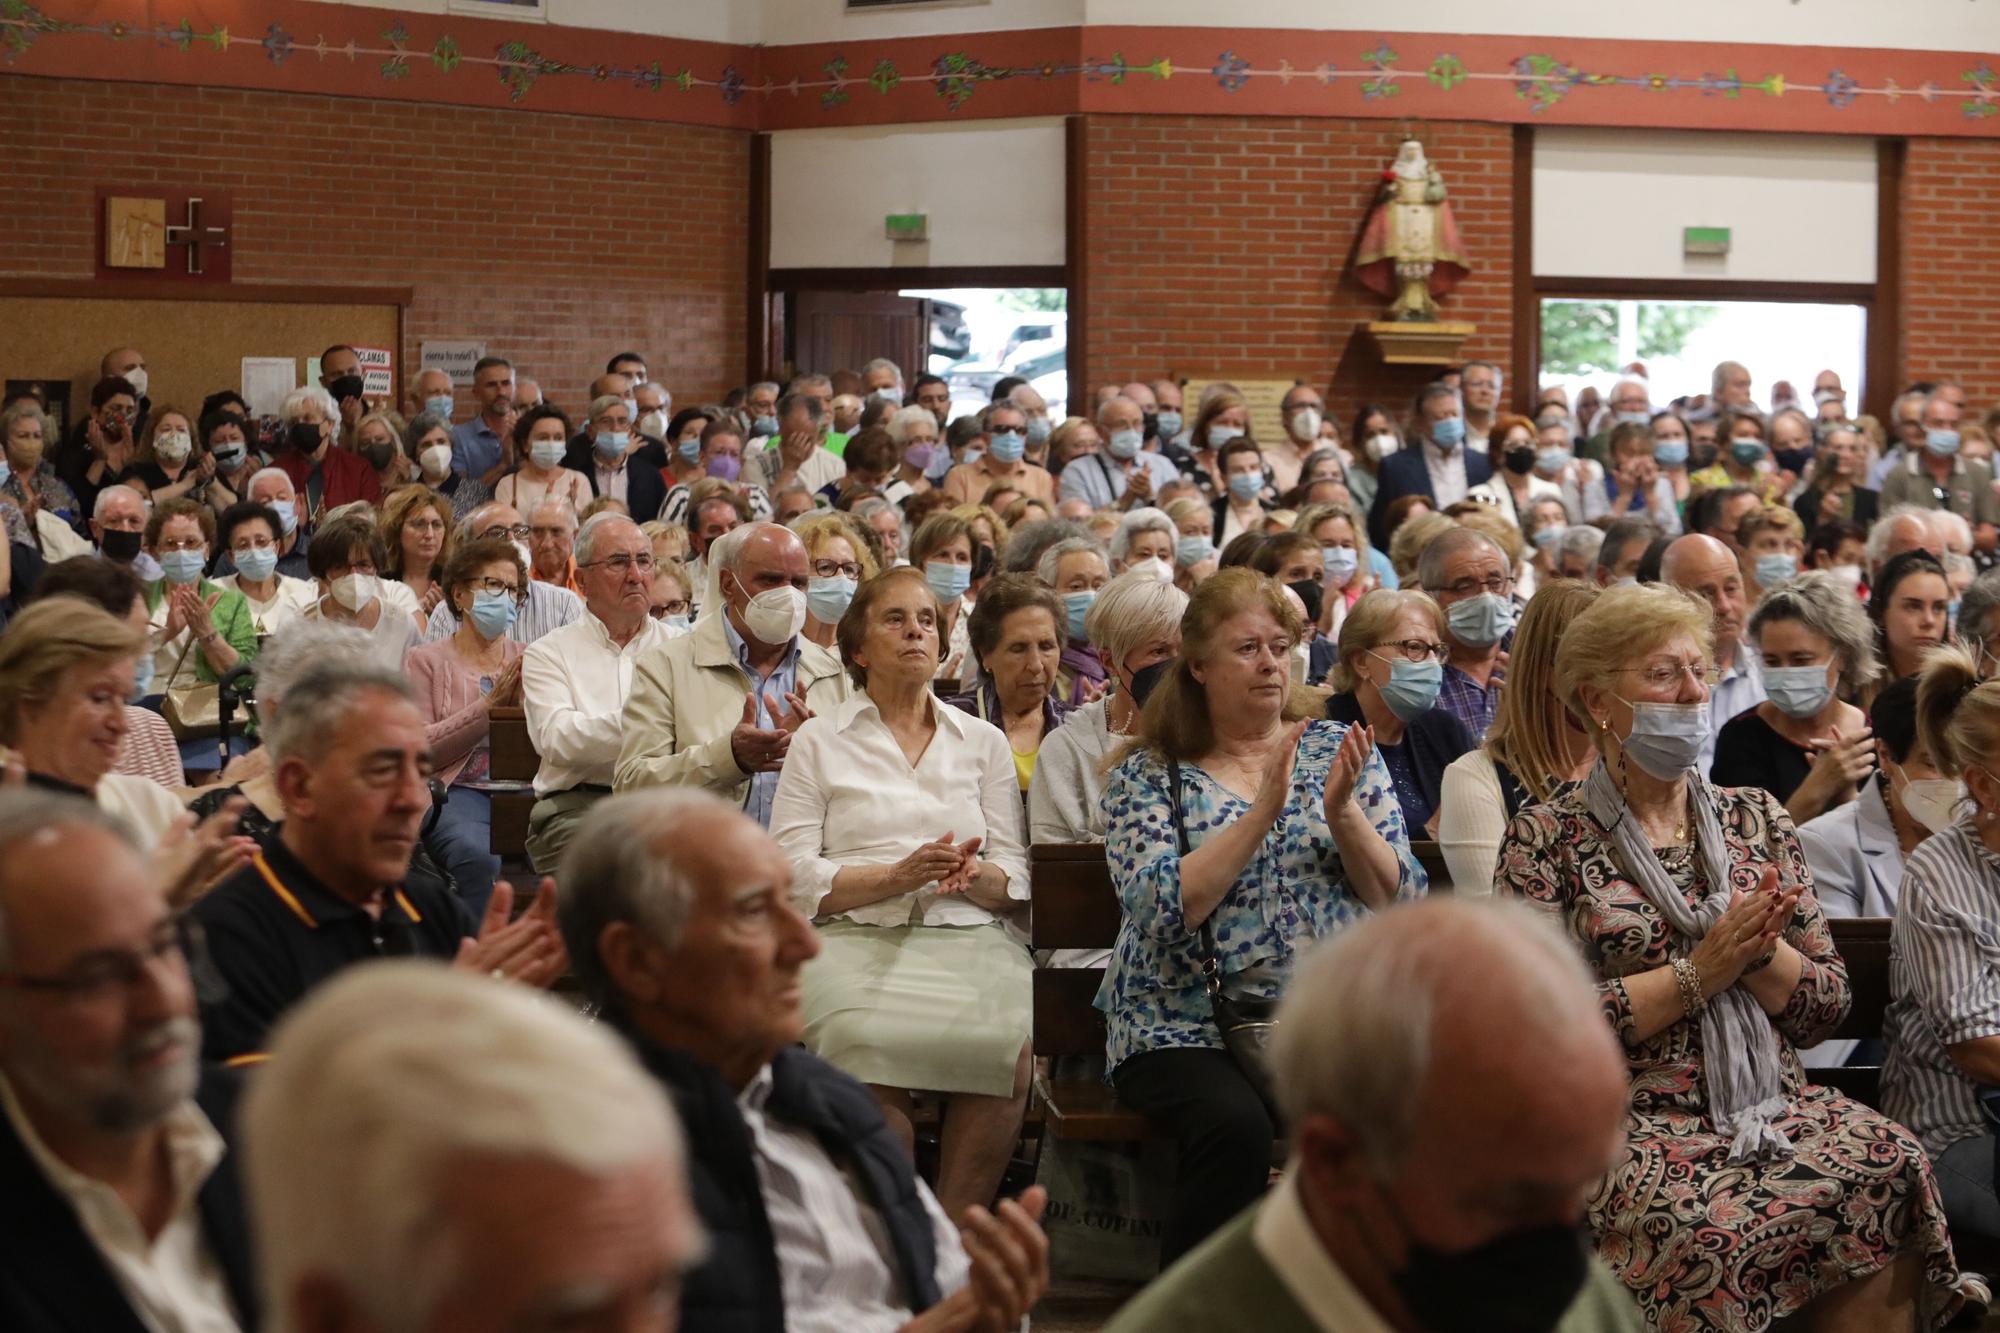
(1951, 263)
(558, 239)
(1222, 243)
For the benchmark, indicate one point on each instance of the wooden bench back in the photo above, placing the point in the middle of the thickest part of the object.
(1864, 946)
(514, 757)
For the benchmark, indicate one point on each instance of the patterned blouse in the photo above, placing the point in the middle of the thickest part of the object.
(50, 492)
(1294, 890)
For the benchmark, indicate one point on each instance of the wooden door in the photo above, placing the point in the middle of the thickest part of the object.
(846, 330)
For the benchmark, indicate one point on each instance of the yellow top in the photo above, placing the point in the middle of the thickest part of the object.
(1024, 766)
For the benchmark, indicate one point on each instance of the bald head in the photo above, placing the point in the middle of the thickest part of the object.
(1709, 569)
(1119, 413)
(1140, 394)
(1688, 557)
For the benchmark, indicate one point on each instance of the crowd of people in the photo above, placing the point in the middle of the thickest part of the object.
(806, 672)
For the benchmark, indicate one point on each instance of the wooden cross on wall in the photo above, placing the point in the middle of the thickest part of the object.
(195, 235)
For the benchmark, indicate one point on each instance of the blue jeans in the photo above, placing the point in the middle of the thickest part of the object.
(463, 842)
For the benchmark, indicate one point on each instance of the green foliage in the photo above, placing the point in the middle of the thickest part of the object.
(1035, 298)
(1581, 337)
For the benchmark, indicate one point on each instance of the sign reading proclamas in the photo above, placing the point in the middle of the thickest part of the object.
(378, 372)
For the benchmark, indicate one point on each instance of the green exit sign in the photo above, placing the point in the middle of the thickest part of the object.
(1705, 240)
(906, 226)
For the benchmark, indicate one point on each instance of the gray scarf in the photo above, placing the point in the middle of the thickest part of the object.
(1739, 1045)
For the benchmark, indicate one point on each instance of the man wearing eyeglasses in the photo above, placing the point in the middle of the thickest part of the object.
(1703, 566)
(122, 1206)
(549, 606)
(574, 682)
(1469, 576)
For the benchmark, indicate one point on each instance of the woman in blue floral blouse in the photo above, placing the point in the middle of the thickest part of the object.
(1293, 832)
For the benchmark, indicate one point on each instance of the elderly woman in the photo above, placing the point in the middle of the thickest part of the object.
(312, 441)
(840, 562)
(914, 430)
(902, 819)
(941, 549)
(1772, 541)
(1075, 568)
(201, 629)
(1073, 439)
(378, 438)
(225, 437)
(460, 681)
(345, 559)
(1017, 643)
(170, 464)
(417, 531)
(1194, 547)
(1910, 605)
(1145, 538)
(250, 533)
(541, 442)
(1135, 626)
(1387, 678)
(1804, 743)
(31, 480)
(1694, 906)
(1535, 748)
(1237, 831)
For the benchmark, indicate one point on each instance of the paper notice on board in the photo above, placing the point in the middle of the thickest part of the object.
(266, 381)
(377, 371)
(455, 359)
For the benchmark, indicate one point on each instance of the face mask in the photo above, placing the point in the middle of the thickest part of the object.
(1380, 445)
(1152, 567)
(1313, 596)
(548, 453)
(1412, 687)
(1548, 462)
(1124, 444)
(1701, 454)
(355, 591)
(1449, 433)
(1246, 486)
(1520, 460)
(345, 387)
(1193, 550)
(435, 460)
(776, 615)
(947, 580)
(653, 424)
(1518, 1282)
(142, 677)
(1798, 692)
(828, 599)
(257, 563)
(173, 445)
(631, 409)
(611, 443)
(1825, 396)
(1008, 446)
(1747, 452)
(941, 460)
(920, 456)
(1340, 563)
(1221, 435)
(136, 377)
(378, 454)
(1305, 424)
(764, 425)
(1146, 679)
(1635, 418)
(679, 621)
(689, 450)
(1482, 621)
(887, 395)
(1545, 539)
(1076, 605)
(492, 614)
(122, 547)
(726, 466)
(439, 405)
(1849, 576)
(305, 436)
(1932, 802)
(1038, 430)
(1775, 568)
(288, 516)
(1667, 739)
(1670, 453)
(183, 566)
(1942, 443)
(230, 457)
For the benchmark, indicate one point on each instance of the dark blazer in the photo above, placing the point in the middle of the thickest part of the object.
(53, 1280)
(645, 487)
(1435, 739)
(1866, 504)
(1403, 473)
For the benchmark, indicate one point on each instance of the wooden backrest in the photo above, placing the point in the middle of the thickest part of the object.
(1864, 946)
(1071, 906)
(514, 757)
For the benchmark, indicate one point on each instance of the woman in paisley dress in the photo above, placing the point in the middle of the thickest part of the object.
(1746, 1195)
(1293, 833)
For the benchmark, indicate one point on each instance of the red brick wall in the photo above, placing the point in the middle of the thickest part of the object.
(1951, 263)
(557, 239)
(1222, 244)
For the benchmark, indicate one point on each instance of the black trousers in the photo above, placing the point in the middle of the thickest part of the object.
(1221, 1127)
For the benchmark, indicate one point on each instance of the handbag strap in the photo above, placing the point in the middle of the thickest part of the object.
(180, 661)
(1209, 967)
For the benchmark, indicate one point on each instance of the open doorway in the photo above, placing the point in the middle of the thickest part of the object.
(972, 336)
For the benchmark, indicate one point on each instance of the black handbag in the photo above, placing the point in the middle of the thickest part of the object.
(1246, 1021)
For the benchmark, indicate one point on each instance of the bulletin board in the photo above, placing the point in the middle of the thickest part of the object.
(1263, 393)
(193, 347)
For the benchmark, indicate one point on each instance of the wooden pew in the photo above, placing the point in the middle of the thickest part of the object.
(1864, 946)
(513, 760)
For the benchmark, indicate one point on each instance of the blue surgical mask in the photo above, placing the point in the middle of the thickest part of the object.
(1124, 444)
(548, 453)
(764, 425)
(1076, 605)
(288, 517)
(1449, 433)
(1193, 550)
(492, 613)
(439, 405)
(142, 676)
(1412, 687)
(1775, 568)
(1246, 486)
(1340, 562)
(1747, 452)
(1549, 461)
(828, 598)
(1038, 430)
(257, 563)
(1170, 423)
(941, 461)
(1007, 446)
(183, 566)
(611, 443)
(1667, 739)
(1943, 443)
(1798, 691)
(1221, 435)
(1482, 621)
(1670, 453)
(948, 579)
(1634, 418)
(678, 620)
(690, 450)
(1547, 537)
(229, 456)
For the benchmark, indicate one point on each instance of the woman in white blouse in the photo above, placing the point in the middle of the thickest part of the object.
(250, 533)
(902, 819)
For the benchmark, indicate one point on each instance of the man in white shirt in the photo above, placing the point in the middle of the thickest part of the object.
(574, 681)
(679, 910)
(1402, 1206)
(1705, 567)
(121, 1205)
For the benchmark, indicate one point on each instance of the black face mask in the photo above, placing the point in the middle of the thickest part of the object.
(1310, 593)
(1520, 460)
(1151, 425)
(345, 387)
(304, 436)
(1701, 455)
(1520, 1282)
(378, 455)
(1794, 460)
(121, 547)
(1146, 678)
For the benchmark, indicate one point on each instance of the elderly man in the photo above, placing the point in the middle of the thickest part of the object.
(1904, 528)
(1304, 412)
(1123, 474)
(478, 446)
(549, 606)
(1703, 566)
(1440, 468)
(717, 708)
(1479, 385)
(1624, 546)
(760, 407)
(118, 523)
(1576, 556)
(882, 377)
(431, 392)
(711, 520)
(655, 407)
(489, 1162)
(351, 765)
(1935, 476)
(1720, 514)
(272, 487)
(1906, 437)
(552, 543)
(575, 681)
(1729, 388)
(1004, 462)
(122, 1209)
(617, 460)
(1398, 1209)
(1829, 397)
(1040, 425)
(684, 928)
(1467, 574)
(796, 453)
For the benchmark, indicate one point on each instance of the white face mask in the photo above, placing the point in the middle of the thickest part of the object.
(136, 377)
(1381, 445)
(435, 460)
(173, 445)
(355, 591)
(1932, 802)
(776, 615)
(1305, 424)
(1152, 567)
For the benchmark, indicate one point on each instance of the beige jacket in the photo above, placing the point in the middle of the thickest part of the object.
(687, 696)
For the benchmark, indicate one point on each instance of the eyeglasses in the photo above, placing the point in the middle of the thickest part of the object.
(1416, 650)
(833, 569)
(621, 565)
(677, 607)
(1494, 583)
(103, 975)
(519, 532)
(1667, 675)
(497, 585)
(183, 544)
(432, 524)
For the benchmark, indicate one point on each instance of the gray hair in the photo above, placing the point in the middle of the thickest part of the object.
(1580, 539)
(28, 812)
(299, 646)
(1026, 543)
(726, 552)
(320, 699)
(1978, 602)
(97, 506)
(772, 385)
(899, 422)
(1052, 556)
(985, 414)
(1137, 521)
(1953, 532)
(1828, 608)
(621, 866)
(810, 380)
(264, 472)
(814, 408)
(295, 404)
(586, 536)
(797, 483)
(422, 424)
(1622, 533)
(604, 402)
(883, 363)
(20, 409)
(1104, 407)
(1131, 611)
(1433, 391)
(1450, 542)
(1883, 528)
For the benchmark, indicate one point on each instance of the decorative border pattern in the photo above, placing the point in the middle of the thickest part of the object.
(301, 46)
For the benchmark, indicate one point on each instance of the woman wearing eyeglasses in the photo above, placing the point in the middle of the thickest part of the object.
(1391, 665)
(1694, 906)
(840, 562)
(460, 680)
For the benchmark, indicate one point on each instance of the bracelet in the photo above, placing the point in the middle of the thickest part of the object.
(1688, 977)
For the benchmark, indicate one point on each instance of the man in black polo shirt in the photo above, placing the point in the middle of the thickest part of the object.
(352, 767)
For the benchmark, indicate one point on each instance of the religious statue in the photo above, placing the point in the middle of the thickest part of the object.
(1409, 249)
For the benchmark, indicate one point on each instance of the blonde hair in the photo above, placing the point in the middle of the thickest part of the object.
(1409, 541)
(1366, 623)
(1527, 731)
(50, 640)
(1313, 515)
(1505, 533)
(401, 507)
(1189, 507)
(384, 416)
(1958, 714)
(1621, 626)
(825, 525)
(1770, 516)
(972, 513)
(673, 535)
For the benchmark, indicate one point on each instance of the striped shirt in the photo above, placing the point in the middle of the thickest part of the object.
(549, 607)
(674, 509)
(1944, 985)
